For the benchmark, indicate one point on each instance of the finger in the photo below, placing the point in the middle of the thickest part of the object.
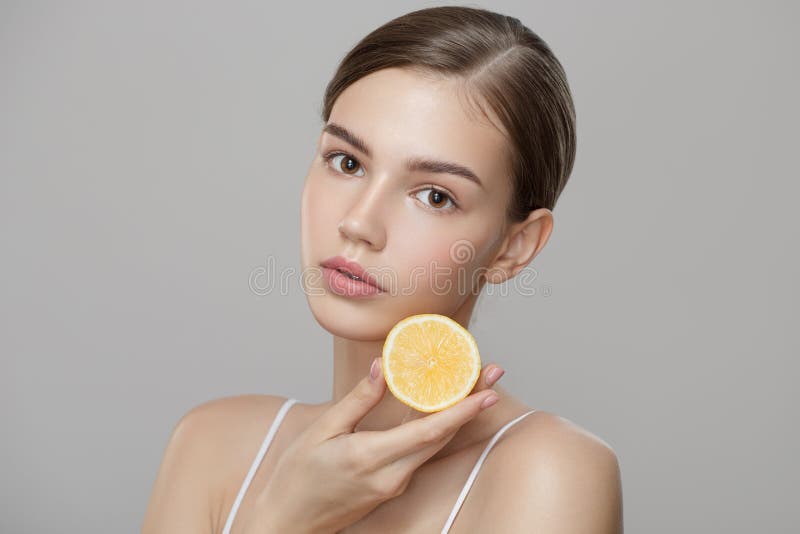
(489, 376)
(431, 430)
(345, 415)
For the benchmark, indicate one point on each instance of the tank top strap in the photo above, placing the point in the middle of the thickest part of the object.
(273, 429)
(476, 468)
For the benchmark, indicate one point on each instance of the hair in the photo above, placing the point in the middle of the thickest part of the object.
(502, 64)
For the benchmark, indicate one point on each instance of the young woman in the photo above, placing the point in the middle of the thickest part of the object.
(448, 135)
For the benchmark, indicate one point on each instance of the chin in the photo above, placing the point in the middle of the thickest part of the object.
(370, 319)
(350, 319)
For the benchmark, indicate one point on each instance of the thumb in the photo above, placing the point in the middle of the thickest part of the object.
(343, 416)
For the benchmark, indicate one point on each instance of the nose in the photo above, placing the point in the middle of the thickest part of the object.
(363, 221)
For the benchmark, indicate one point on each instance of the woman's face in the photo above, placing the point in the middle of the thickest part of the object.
(426, 249)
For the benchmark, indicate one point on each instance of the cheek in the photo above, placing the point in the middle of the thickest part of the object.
(433, 261)
(446, 259)
(312, 201)
(315, 215)
(317, 211)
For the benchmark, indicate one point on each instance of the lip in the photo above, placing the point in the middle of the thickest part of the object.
(352, 267)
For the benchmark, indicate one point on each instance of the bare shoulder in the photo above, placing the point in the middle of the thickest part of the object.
(556, 434)
(566, 479)
(231, 413)
(204, 448)
(222, 428)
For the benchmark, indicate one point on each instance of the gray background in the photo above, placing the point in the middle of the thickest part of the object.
(152, 156)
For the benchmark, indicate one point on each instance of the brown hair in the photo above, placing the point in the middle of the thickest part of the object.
(510, 68)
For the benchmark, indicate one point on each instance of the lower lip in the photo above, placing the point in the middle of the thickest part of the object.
(343, 285)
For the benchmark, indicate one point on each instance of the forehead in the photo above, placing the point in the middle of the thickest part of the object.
(401, 113)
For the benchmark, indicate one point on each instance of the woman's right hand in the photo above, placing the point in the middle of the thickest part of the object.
(330, 476)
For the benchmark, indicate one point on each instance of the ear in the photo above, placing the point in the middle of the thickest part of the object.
(523, 242)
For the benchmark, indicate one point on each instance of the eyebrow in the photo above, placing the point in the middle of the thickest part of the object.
(413, 164)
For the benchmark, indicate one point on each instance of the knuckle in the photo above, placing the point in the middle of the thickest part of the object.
(388, 487)
(396, 490)
(353, 456)
(401, 486)
(363, 392)
(430, 435)
(368, 457)
(402, 480)
(378, 487)
(359, 396)
(357, 457)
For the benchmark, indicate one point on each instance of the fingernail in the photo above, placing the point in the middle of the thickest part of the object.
(488, 401)
(375, 369)
(494, 375)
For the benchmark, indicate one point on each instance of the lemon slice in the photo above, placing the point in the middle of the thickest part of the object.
(430, 362)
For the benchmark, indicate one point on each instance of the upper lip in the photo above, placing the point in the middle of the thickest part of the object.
(352, 267)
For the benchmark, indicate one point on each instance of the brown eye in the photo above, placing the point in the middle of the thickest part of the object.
(346, 164)
(436, 199)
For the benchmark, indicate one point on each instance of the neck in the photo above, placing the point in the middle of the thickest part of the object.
(351, 362)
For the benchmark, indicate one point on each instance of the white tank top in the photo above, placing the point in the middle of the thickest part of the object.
(273, 429)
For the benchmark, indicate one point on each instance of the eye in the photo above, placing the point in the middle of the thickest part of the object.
(438, 199)
(350, 163)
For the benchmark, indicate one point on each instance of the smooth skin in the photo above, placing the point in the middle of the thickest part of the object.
(545, 475)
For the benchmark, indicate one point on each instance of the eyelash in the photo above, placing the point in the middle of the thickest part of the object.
(330, 155)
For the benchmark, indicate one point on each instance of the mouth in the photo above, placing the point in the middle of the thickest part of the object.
(352, 270)
(351, 275)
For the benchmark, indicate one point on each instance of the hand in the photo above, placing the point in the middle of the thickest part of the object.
(330, 476)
